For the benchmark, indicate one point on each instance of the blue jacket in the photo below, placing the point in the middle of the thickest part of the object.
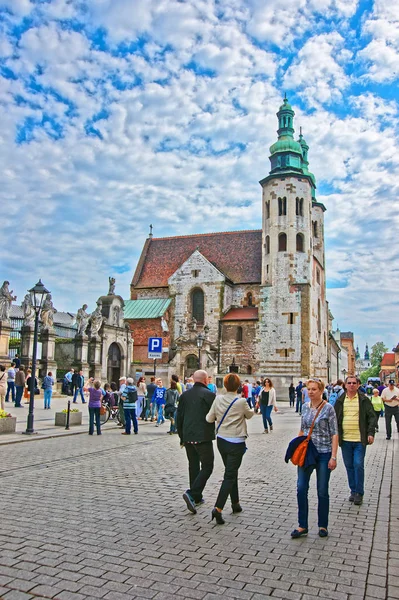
(311, 454)
(159, 395)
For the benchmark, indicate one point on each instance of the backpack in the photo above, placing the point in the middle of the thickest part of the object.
(333, 398)
(131, 396)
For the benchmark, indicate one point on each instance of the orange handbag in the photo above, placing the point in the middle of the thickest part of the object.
(299, 455)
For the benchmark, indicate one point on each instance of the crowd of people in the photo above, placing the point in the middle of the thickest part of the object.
(16, 384)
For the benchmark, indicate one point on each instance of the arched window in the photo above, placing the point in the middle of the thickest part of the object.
(249, 370)
(299, 242)
(267, 206)
(315, 229)
(267, 245)
(239, 334)
(250, 301)
(299, 207)
(197, 304)
(282, 242)
(282, 206)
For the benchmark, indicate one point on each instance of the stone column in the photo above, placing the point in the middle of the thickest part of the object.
(95, 357)
(47, 362)
(82, 354)
(5, 330)
(27, 337)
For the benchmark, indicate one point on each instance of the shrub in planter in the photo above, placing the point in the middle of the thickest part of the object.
(8, 423)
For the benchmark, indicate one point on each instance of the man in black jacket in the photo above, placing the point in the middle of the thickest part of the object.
(356, 429)
(197, 436)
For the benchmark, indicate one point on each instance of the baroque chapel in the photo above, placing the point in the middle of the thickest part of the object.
(248, 300)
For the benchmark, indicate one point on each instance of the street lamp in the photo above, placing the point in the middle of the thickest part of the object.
(328, 363)
(200, 342)
(37, 295)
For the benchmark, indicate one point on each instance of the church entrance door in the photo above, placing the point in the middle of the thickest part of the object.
(191, 365)
(114, 363)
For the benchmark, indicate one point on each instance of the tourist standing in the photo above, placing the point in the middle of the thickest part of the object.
(3, 386)
(171, 402)
(11, 383)
(150, 406)
(196, 435)
(211, 385)
(325, 440)
(291, 394)
(390, 397)
(267, 402)
(78, 382)
(298, 391)
(231, 412)
(47, 386)
(356, 429)
(159, 399)
(122, 387)
(19, 386)
(129, 397)
(141, 394)
(95, 397)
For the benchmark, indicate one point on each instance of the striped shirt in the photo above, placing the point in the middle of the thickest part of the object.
(350, 422)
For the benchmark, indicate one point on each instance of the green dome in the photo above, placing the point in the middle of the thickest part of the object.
(286, 144)
(286, 105)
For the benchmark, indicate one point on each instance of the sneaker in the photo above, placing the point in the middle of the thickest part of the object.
(358, 500)
(388, 438)
(265, 431)
(198, 502)
(190, 503)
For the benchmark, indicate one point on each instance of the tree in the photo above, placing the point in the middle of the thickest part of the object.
(377, 352)
(371, 372)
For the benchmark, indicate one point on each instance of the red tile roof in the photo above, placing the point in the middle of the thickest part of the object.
(388, 360)
(248, 313)
(237, 254)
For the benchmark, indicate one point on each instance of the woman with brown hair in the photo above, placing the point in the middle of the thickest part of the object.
(231, 412)
(267, 401)
(141, 394)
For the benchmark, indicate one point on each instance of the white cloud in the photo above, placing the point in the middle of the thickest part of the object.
(381, 54)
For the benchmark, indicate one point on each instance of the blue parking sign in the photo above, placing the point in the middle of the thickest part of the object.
(155, 347)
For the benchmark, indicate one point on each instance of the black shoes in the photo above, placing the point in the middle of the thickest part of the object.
(358, 499)
(236, 508)
(218, 516)
(351, 497)
(297, 533)
(323, 532)
(190, 503)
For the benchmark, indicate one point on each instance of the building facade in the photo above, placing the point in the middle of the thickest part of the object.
(253, 300)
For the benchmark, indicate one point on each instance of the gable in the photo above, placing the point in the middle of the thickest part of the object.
(197, 268)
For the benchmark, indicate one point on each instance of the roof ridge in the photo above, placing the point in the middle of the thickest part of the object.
(173, 237)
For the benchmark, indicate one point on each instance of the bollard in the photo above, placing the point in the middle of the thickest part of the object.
(68, 412)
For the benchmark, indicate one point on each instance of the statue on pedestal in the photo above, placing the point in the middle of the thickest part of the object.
(96, 320)
(48, 312)
(82, 320)
(111, 290)
(29, 311)
(6, 298)
(117, 315)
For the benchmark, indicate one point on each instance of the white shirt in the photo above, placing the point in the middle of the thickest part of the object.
(387, 394)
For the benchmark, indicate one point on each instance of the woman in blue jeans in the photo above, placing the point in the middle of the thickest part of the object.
(325, 438)
(267, 402)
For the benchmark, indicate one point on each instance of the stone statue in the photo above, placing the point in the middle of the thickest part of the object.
(96, 320)
(6, 298)
(164, 325)
(29, 311)
(111, 290)
(48, 312)
(193, 324)
(82, 320)
(117, 315)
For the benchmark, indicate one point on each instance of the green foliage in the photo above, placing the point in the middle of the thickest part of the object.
(377, 352)
(72, 410)
(15, 343)
(371, 372)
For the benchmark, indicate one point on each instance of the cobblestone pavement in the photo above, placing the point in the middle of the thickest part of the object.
(103, 518)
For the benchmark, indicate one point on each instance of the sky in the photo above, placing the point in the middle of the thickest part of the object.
(121, 113)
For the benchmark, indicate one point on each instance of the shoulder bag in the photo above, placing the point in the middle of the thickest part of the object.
(299, 455)
(227, 410)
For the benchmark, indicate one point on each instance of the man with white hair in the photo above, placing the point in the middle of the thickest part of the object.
(197, 436)
(129, 397)
(122, 386)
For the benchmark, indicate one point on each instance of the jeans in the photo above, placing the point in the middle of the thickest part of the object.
(292, 400)
(377, 417)
(10, 388)
(121, 412)
(77, 390)
(232, 455)
(266, 415)
(200, 466)
(153, 411)
(161, 418)
(353, 454)
(19, 393)
(47, 397)
(94, 413)
(147, 409)
(298, 407)
(391, 411)
(130, 415)
(139, 406)
(323, 478)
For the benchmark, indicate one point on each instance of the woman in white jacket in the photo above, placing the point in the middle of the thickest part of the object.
(231, 412)
(267, 401)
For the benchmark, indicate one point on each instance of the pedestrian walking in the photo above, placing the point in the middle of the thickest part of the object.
(390, 397)
(325, 439)
(122, 387)
(129, 397)
(356, 429)
(3, 386)
(11, 383)
(171, 403)
(159, 399)
(196, 436)
(47, 386)
(95, 397)
(19, 386)
(298, 391)
(267, 402)
(231, 412)
(291, 395)
(29, 383)
(78, 382)
(150, 406)
(378, 406)
(141, 394)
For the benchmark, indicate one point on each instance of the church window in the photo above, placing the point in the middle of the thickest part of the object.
(195, 272)
(315, 229)
(299, 207)
(249, 370)
(282, 242)
(319, 316)
(291, 318)
(197, 303)
(267, 245)
(317, 275)
(282, 206)
(191, 363)
(267, 269)
(250, 301)
(239, 334)
(268, 209)
(299, 242)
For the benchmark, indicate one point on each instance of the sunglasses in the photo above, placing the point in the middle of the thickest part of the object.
(351, 383)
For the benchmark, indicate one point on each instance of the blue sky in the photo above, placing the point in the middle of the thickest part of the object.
(122, 113)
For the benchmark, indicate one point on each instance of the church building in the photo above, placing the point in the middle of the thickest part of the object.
(252, 301)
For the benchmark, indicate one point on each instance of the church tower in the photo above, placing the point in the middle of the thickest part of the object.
(293, 318)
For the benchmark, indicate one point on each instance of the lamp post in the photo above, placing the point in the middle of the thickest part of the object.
(328, 363)
(200, 342)
(37, 295)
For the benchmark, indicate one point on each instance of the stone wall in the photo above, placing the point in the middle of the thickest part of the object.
(244, 352)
